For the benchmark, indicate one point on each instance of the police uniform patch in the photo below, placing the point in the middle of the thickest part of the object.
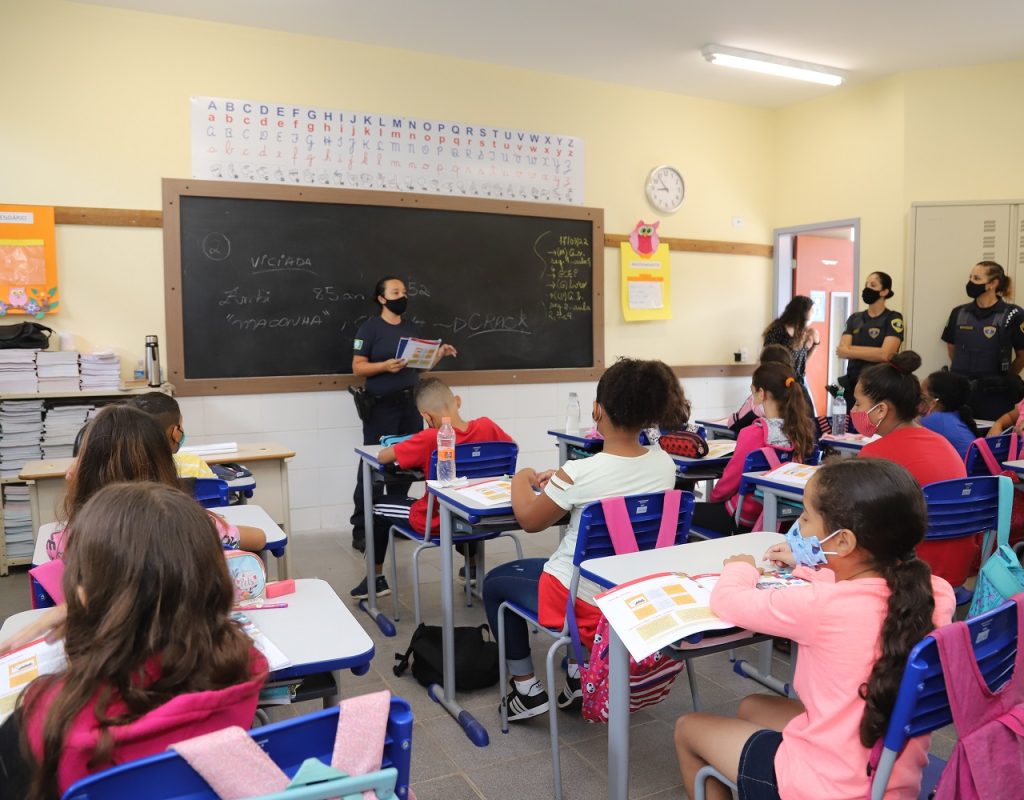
(989, 331)
(897, 325)
(873, 332)
(357, 344)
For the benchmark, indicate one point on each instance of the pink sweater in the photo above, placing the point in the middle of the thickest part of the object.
(837, 625)
(180, 718)
(727, 488)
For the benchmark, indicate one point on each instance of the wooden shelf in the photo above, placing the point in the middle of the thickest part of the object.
(128, 392)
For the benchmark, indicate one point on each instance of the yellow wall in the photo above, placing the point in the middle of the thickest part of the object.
(105, 115)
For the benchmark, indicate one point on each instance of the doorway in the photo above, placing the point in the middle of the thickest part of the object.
(821, 261)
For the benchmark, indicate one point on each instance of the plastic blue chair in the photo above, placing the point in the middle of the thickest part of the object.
(1000, 447)
(592, 541)
(168, 776)
(473, 460)
(210, 492)
(922, 704)
(965, 507)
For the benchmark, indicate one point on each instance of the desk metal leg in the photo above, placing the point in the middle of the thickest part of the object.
(369, 605)
(618, 718)
(563, 451)
(771, 511)
(445, 695)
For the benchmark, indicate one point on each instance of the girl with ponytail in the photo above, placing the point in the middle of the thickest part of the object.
(786, 426)
(944, 409)
(887, 399)
(856, 621)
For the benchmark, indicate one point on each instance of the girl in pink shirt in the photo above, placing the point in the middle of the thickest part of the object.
(862, 520)
(153, 655)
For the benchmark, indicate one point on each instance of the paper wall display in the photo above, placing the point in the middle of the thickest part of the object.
(262, 142)
(646, 283)
(28, 261)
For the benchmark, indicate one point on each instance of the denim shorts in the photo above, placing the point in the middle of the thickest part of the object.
(756, 776)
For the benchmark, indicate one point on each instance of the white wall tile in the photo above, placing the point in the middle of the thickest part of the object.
(496, 402)
(193, 416)
(336, 410)
(289, 412)
(306, 519)
(303, 489)
(333, 482)
(538, 400)
(233, 414)
(338, 444)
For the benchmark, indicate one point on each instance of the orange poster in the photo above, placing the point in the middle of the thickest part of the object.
(28, 261)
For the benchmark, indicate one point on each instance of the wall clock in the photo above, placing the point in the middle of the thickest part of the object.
(665, 189)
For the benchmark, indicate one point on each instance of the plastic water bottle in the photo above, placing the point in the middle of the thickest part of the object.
(572, 414)
(446, 451)
(838, 414)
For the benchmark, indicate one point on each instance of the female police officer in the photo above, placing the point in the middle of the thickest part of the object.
(872, 336)
(986, 342)
(388, 405)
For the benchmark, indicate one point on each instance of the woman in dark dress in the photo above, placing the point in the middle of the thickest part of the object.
(792, 329)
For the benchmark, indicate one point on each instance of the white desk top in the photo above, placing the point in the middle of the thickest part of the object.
(256, 517)
(848, 441)
(317, 631)
(694, 558)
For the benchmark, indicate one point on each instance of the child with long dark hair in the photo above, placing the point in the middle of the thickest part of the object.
(856, 623)
(153, 657)
(632, 395)
(944, 409)
(786, 426)
(793, 329)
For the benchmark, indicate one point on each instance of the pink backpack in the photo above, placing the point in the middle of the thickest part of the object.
(651, 678)
(988, 759)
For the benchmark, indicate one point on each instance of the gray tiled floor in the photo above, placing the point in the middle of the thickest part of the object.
(446, 765)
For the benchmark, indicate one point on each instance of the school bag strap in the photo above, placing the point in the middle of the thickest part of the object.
(989, 458)
(620, 529)
(236, 767)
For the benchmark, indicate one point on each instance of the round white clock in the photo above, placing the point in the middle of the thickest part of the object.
(665, 188)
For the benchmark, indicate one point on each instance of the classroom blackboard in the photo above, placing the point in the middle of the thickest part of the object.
(267, 285)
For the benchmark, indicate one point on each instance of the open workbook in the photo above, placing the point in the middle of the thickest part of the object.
(659, 610)
(24, 665)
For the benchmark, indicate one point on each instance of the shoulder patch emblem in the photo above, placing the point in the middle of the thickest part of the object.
(357, 344)
(873, 332)
(989, 331)
(897, 324)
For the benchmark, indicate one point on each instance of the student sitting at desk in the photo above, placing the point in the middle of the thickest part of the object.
(631, 396)
(886, 402)
(153, 656)
(856, 622)
(944, 409)
(749, 411)
(166, 411)
(785, 426)
(436, 403)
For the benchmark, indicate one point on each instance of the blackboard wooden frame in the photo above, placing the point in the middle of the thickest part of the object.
(173, 189)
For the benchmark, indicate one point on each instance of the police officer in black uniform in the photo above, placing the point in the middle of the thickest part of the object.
(872, 336)
(986, 342)
(387, 406)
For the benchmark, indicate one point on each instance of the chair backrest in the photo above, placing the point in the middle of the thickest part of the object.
(1000, 447)
(481, 459)
(967, 506)
(922, 704)
(168, 776)
(210, 492)
(593, 540)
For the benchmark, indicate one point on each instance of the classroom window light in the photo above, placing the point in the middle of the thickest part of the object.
(772, 65)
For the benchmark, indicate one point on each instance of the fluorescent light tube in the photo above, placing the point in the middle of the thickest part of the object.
(772, 65)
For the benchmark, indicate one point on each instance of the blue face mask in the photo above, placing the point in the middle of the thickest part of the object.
(807, 550)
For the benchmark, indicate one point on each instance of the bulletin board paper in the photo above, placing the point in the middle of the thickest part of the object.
(247, 140)
(646, 284)
(28, 261)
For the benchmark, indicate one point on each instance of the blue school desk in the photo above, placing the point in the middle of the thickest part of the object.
(772, 491)
(694, 558)
(849, 445)
(316, 632)
(716, 428)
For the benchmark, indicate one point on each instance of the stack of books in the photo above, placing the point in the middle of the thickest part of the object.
(58, 371)
(60, 428)
(18, 371)
(18, 521)
(21, 426)
(101, 372)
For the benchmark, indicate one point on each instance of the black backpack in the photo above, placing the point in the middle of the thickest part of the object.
(25, 335)
(476, 658)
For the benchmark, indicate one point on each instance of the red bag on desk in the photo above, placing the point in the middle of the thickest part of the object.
(683, 443)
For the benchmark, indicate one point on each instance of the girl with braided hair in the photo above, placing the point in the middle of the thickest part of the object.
(856, 621)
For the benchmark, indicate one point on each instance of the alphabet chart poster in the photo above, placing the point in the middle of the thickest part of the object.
(28, 261)
(246, 140)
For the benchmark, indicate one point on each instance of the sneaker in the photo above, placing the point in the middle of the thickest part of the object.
(472, 575)
(571, 693)
(382, 588)
(523, 706)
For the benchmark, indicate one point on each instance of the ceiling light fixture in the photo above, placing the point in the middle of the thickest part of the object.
(772, 65)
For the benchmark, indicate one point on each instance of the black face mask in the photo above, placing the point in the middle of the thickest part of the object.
(975, 290)
(397, 306)
(870, 295)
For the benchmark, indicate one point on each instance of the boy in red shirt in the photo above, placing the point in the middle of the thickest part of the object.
(435, 401)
